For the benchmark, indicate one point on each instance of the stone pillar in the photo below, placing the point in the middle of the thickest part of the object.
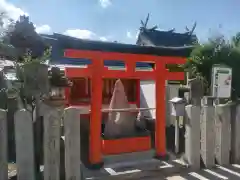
(192, 136)
(24, 145)
(3, 145)
(196, 91)
(208, 132)
(235, 133)
(52, 120)
(12, 107)
(38, 135)
(192, 123)
(72, 143)
(222, 129)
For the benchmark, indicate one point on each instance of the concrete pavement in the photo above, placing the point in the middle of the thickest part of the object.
(152, 169)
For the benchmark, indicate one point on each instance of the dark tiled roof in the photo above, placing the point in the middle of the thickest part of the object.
(60, 42)
(67, 42)
(165, 38)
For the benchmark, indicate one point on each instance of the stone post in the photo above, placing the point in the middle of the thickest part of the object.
(72, 143)
(196, 91)
(3, 145)
(12, 107)
(208, 132)
(24, 145)
(235, 133)
(192, 123)
(223, 134)
(192, 136)
(52, 123)
(38, 129)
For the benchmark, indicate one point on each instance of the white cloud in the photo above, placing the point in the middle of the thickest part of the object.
(132, 35)
(105, 3)
(11, 10)
(44, 29)
(103, 38)
(129, 35)
(81, 33)
(84, 34)
(14, 12)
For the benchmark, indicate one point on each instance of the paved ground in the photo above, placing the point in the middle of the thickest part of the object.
(152, 169)
(231, 172)
(142, 167)
(219, 172)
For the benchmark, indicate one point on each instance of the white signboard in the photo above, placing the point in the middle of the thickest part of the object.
(221, 81)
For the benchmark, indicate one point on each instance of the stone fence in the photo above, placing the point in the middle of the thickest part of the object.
(212, 132)
(24, 140)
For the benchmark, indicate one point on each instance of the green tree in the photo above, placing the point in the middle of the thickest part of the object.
(24, 38)
(217, 50)
(19, 37)
(236, 40)
(6, 27)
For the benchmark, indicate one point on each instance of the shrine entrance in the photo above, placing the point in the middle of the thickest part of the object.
(96, 72)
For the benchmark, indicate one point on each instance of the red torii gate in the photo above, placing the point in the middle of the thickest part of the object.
(96, 71)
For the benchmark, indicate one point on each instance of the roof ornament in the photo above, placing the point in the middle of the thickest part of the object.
(144, 25)
(190, 32)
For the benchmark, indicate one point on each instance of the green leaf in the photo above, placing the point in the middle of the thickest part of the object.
(216, 51)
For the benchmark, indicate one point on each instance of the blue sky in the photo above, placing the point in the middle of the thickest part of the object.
(120, 19)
